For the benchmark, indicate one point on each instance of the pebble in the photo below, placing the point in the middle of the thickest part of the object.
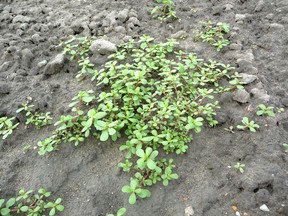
(21, 19)
(260, 94)
(42, 64)
(189, 211)
(247, 78)
(259, 6)
(55, 65)
(276, 27)
(240, 17)
(180, 34)
(264, 208)
(123, 15)
(235, 46)
(241, 96)
(102, 47)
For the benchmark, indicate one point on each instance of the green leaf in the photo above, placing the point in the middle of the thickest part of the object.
(147, 139)
(134, 183)
(10, 202)
(127, 189)
(151, 164)
(60, 208)
(104, 135)
(24, 208)
(5, 211)
(52, 212)
(100, 115)
(140, 153)
(132, 198)
(59, 200)
(121, 211)
(111, 131)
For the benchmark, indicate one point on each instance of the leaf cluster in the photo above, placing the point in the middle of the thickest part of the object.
(31, 205)
(38, 119)
(214, 34)
(165, 10)
(251, 125)
(7, 126)
(263, 110)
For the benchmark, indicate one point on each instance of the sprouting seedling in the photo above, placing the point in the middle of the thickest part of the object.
(165, 10)
(251, 125)
(263, 110)
(7, 126)
(230, 129)
(240, 167)
(120, 212)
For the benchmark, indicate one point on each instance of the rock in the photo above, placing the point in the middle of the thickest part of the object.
(42, 64)
(221, 117)
(276, 27)
(21, 19)
(120, 29)
(134, 21)
(259, 6)
(102, 47)
(260, 94)
(240, 17)
(235, 46)
(247, 78)
(264, 208)
(180, 34)
(55, 65)
(123, 15)
(241, 96)
(228, 7)
(27, 57)
(36, 38)
(285, 101)
(4, 88)
(189, 211)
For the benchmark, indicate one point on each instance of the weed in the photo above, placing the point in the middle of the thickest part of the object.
(214, 34)
(120, 212)
(7, 126)
(31, 205)
(164, 11)
(263, 110)
(158, 102)
(35, 118)
(240, 167)
(251, 125)
(230, 129)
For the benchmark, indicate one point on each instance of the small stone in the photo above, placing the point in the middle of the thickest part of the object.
(36, 38)
(240, 17)
(180, 34)
(241, 96)
(259, 6)
(21, 19)
(4, 88)
(247, 78)
(120, 29)
(189, 211)
(102, 47)
(123, 15)
(235, 46)
(260, 94)
(55, 65)
(228, 7)
(42, 64)
(276, 27)
(264, 208)
(27, 57)
(237, 213)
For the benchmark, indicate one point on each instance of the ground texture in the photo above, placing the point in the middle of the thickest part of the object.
(87, 177)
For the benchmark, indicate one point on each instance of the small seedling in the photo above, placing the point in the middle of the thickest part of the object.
(230, 129)
(35, 118)
(240, 167)
(120, 212)
(251, 125)
(165, 10)
(31, 205)
(214, 34)
(263, 110)
(7, 126)
(286, 148)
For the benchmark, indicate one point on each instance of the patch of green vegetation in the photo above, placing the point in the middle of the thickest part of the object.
(251, 125)
(214, 34)
(240, 167)
(7, 126)
(30, 205)
(155, 96)
(120, 212)
(286, 148)
(38, 119)
(164, 10)
(263, 110)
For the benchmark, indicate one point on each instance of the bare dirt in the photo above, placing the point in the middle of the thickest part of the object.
(87, 177)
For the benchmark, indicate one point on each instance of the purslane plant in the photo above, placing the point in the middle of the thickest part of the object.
(7, 126)
(214, 34)
(30, 205)
(263, 110)
(165, 10)
(35, 118)
(240, 167)
(251, 125)
(157, 102)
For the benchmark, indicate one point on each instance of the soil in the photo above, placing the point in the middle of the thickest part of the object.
(86, 177)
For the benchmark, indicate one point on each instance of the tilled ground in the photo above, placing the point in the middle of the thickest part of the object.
(87, 177)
